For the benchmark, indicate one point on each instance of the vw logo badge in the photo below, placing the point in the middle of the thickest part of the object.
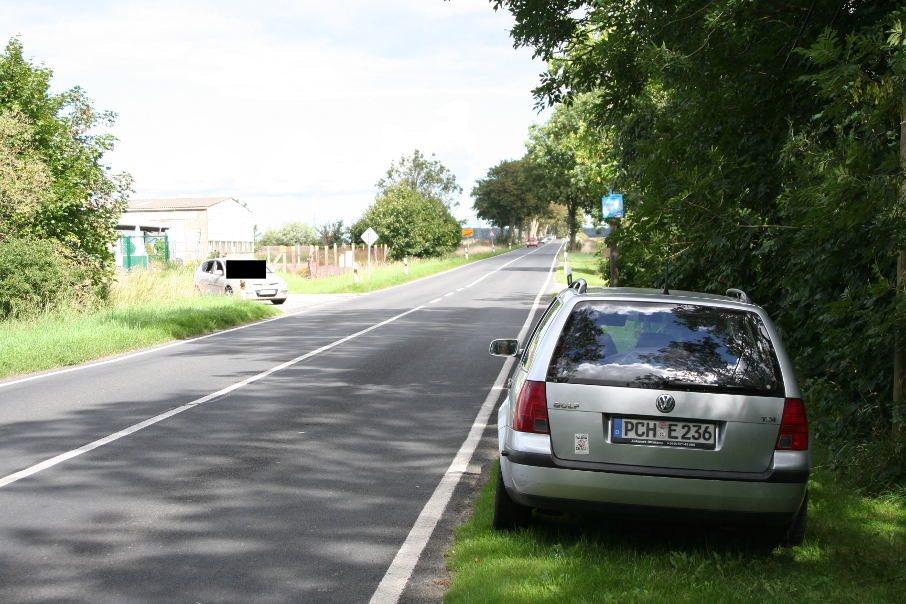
(665, 403)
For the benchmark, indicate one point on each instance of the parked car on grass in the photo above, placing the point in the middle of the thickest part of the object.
(646, 402)
(249, 279)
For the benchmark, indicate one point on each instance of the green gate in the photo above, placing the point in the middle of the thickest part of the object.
(142, 250)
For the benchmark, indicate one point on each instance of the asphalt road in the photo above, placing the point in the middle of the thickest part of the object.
(299, 485)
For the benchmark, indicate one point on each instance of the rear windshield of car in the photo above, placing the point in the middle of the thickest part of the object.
(666, 346)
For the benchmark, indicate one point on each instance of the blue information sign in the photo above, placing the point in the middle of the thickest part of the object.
(612, 205)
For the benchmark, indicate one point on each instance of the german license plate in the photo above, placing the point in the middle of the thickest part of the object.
(267, 292)
(646, 431)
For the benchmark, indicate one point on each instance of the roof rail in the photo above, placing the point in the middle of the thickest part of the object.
(580, 285)
(743, 296)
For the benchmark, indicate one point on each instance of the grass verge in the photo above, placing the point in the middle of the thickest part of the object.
(381, 277)
(855, 551)
(67, 338)
(584, 266)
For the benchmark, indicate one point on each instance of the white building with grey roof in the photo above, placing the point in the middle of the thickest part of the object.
(197, 226)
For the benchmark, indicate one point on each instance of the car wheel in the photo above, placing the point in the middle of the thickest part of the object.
(795, 532)
(227, 291)
(280, 301)
(507, 513)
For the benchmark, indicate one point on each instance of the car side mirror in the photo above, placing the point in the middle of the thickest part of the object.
(504, 348)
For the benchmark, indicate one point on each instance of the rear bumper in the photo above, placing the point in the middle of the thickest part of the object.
(547, 485)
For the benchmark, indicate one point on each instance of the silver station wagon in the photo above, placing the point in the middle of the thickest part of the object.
(646, 401)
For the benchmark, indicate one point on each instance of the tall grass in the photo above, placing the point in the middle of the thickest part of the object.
(173, 282)
(145, 308)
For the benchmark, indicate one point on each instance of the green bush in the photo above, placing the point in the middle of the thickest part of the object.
(35, 276)
(412, 224)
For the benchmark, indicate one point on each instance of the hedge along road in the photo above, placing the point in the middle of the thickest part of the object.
(284, 462)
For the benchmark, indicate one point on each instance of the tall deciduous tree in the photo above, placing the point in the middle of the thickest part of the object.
(63, 191)
(570, 151)
(427, 177)
(509, 195)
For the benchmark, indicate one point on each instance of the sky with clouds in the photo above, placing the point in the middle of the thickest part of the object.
(296, 107)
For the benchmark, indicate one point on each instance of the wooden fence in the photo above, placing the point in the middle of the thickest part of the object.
(328, 260)
(321, 260)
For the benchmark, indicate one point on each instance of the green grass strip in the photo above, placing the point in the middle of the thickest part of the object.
(584, 266)
(855, 551)
(68, 338)
(381, 276)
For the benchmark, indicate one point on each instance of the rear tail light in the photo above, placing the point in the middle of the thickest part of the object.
(242, 284)
(793, 427)
(531, 408)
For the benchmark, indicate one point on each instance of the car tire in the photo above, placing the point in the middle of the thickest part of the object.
(795, 532)
(508, 514)
(280, 301)
(227, 291)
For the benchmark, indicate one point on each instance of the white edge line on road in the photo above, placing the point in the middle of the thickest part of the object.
(53, 461)
(130, 355)
(397, 576)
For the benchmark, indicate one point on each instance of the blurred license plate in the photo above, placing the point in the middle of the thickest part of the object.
(267, 292)
(646, 431)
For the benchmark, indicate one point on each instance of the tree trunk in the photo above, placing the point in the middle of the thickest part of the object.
(899, 354)
(571, 208)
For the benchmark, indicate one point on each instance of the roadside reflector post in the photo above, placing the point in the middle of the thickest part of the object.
(405, 266)
(355, 274)
(467, 252)
(566, 270)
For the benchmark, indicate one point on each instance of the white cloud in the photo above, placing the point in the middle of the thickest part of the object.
(297, 107)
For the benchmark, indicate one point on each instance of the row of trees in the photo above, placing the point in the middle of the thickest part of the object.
(299, 233)
(558, 181)
(760, 146)
(57, 197)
